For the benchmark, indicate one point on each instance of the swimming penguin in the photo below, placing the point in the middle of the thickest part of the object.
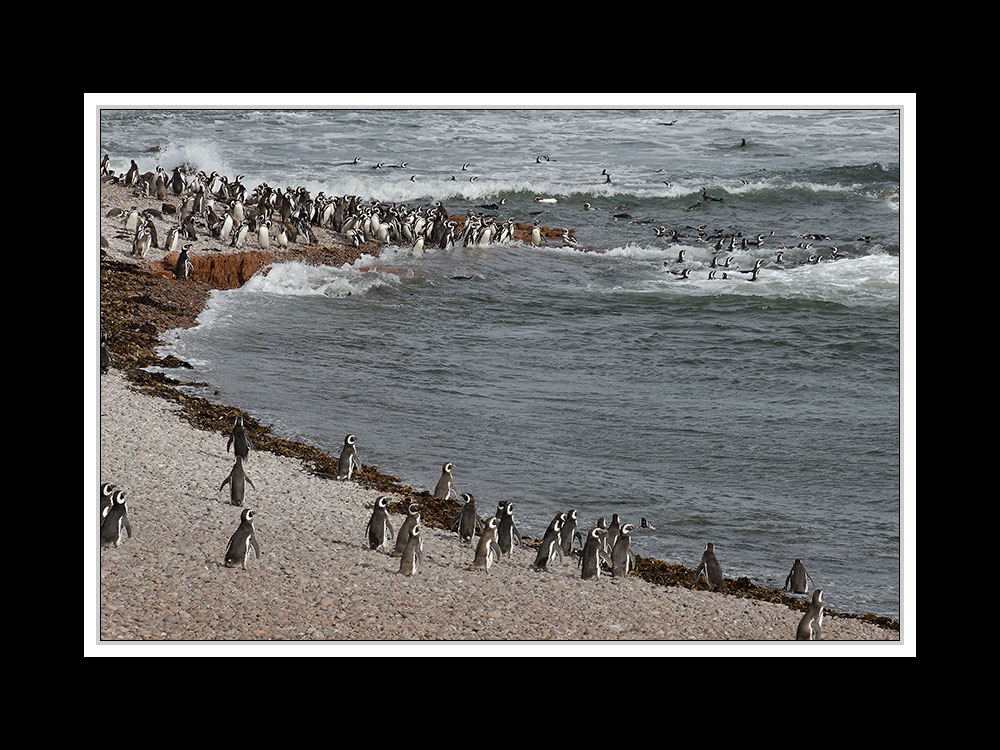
(413, 553)
(378, 531)
(412, 519)
(243, 538)
(348, 463)
(507, 533)
(239, 441)
(644, 524)
(446, 484)
(710, 566)
(107, 490)
(593, 553)
(237, 482)
(797, 578)
(184, 265)
(622, 558)
(105, 354)
(115, 516)
(549, 547)
(569, 532)
(540, 199)
(811, 625)
(487, 550)
(466, 522)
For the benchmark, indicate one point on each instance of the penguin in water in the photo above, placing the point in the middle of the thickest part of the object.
(114, 519)
(550, 547)
(412, 519)
(466, 522)
(487, 550)
(413, 553)
(507, 533)
(378, 531)
(348, 463)
(239, 441)
(710, 567)
(797, 578)
(243, 538)
(184, 265)
(236, 480)
(811, 625)
(644, 524)
(569, 533)
(107, 490)
(446, 484)
(593, 553)
(622, 558)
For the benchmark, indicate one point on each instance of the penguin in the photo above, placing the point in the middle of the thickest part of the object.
(105, 354)
(237, 482)
(239, 234)
(378, 531)
(114, 517)
(592, 554)
(281, 236)
(184, 265)
(603, 526)
(263, 239)
(132, 176)
(549, 547)
(413, 553)
(239, 441)
(811, 625)
(107, 490)
(644, 524)
(797, 578)
(507, 533)
(348, 463)
(173, 239)
(622, 558)
(446, 484)
(412, 519)
(487, 550)
(710, 566)
(536, 234)
(569, 532)
(143, 239)
(225, 228)
(466, 522)
(614, 529)
(242, 539)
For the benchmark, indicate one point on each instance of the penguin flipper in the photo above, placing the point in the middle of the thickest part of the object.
(605, 556)
(226, 481)
(256, 547)
(496, 549)
(229, 444)
(249, 480)
(127, 525)
(517, 534)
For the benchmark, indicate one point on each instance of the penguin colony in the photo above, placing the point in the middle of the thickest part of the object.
(222, 209)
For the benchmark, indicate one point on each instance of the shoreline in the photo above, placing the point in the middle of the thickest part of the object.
(137, 306)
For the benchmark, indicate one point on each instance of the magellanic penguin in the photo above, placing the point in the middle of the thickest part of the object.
(614, 529)
(378, 532)
(550, 547)
(487, 550)
(622, 559)
(107, 490)
(710, 567)
(105, 354)
(536, 234)
(115, 516)
(243, 538)
(507, 533)
(446, 484)
(239, 441)
(569, 532)
(412, 519)
(237, 482)
(593, 553)
(413, 553)
(184, 265)
(811, 625)
(797, 578)
(348, 463)
(466, 522)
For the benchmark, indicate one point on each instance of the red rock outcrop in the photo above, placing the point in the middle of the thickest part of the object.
(220, 271)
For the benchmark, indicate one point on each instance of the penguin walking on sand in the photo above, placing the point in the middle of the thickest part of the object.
(241, 541)
(348, 462)
(466, 522)
(592, 554)
(413, 553)
(797, 578)
(710, 567)
(549, 548)
(622, 558)
(487, 550)
(446, 484)
(507, 533)
(114, 519)
(403, 538)
(237, 480)
(378, 531)
(569, 532)
(239, 441)
(811, 625)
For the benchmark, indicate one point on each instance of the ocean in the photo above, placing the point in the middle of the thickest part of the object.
(762, 416)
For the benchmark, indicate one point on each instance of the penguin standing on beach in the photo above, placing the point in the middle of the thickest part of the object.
(413, 553)
(184, 265)
(239, 441)
(412, 519)
(242, 539)
(107, 490)
(550, 546)
(710, 567)
(487, 550)
(446, 484)
(592, 554)
(115, 518)
(507, 533)
(378, 532)
(348, 463)
(237, 480)
(811, 625)
(797, 578)
(569, 532)
(466, 522)
(614, 529)
(622, 558)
